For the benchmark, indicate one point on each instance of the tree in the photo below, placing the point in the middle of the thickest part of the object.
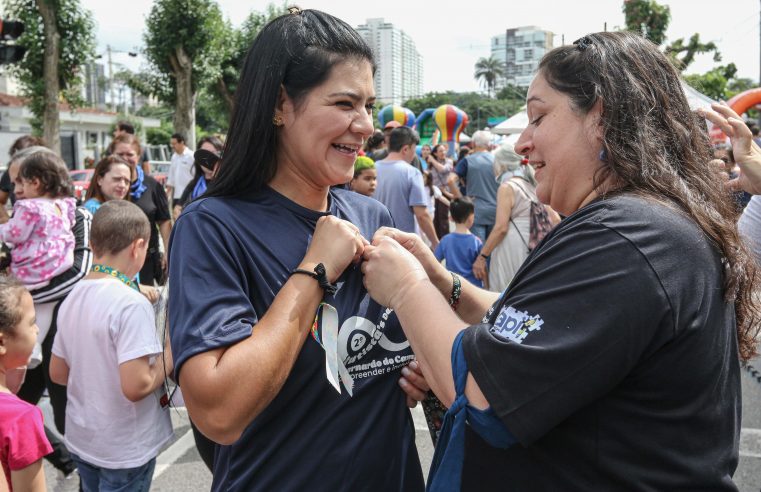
(59, 39)
(477, 106)
(512, 92)
(652, 20)
(238, 44)
(714, 82)
(184, 45)
(488, 70)
(647, 17)
(693, 47)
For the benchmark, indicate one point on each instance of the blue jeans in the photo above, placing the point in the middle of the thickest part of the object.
(96, 479)
(482, 230)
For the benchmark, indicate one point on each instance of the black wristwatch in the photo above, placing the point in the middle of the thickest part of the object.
(485, 257)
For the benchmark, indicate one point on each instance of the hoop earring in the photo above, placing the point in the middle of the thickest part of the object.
(277, 120)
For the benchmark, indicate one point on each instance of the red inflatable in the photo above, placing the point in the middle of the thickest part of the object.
(740, 104)
(745, 100)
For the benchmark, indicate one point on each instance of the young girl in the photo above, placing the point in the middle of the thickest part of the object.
(39, 232)
(22, 438)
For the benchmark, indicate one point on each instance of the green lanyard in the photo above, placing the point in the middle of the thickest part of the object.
(97, 268)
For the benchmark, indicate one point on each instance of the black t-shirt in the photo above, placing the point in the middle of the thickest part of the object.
(154, 203)
(613, 359)
(235, 255)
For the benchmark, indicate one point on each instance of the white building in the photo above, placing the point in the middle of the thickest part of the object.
(520, 50)
(399, 75)
(84, 131)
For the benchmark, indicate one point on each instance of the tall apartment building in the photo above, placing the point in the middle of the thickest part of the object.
(520, 49)
(399, 75)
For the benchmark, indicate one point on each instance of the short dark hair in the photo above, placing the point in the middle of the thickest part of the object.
(24, 142)
(125, 126)
(402, 136)
(295, 52)
(375, 141)
(50, 169)
(461, 209)
(11, 290)
(178, 137)
(125, 138)
(101, 169)
(116, 225)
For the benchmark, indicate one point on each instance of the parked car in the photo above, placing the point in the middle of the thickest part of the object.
(81, 178)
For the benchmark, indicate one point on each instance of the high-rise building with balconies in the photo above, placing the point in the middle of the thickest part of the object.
(520, 50)
(399, 75)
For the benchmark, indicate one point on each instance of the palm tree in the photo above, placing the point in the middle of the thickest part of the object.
(488, 70)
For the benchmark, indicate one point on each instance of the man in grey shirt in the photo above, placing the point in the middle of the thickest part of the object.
(400, 186)
(477, 170)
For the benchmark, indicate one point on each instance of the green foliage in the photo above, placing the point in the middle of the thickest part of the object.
(216, 111)
(488, 70)
(77, 31)
(160, 112)
(736, 86)
(212, 115)
(474, 104)
(688, 51)
(647, 17)
(652, 19)
(129, 118)
(513, 92)
(713, 83)
(194, 25)
(160, 135)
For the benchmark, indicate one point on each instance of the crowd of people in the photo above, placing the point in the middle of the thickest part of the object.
(326, 276)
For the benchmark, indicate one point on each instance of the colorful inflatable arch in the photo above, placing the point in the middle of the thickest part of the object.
(426, 127)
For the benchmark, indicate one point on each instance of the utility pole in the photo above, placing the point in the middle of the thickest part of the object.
(111, 78)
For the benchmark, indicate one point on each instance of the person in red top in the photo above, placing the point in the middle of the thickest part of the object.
(22, 437)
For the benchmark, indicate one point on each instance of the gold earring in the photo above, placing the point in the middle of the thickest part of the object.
(277, 120)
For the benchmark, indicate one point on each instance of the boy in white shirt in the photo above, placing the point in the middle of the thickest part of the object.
(108, 354)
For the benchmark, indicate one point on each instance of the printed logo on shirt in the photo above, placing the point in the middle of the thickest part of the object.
(515, 325)
(358, 342)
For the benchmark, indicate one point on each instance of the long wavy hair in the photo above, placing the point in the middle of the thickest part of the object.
(656, 146)
(295, 52)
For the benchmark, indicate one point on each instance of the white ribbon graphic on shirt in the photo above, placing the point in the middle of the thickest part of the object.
(334, 367)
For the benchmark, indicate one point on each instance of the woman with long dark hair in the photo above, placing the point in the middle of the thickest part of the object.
(612, 361)
(205, 162)
(282, 357)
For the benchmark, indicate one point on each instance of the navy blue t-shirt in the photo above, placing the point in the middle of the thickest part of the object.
(234, 255)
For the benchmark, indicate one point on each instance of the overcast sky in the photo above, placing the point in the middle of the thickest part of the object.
(451, 36)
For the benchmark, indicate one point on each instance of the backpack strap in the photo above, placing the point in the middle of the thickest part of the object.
(516, 179)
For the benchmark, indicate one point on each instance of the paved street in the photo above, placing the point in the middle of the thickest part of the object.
(180, 469)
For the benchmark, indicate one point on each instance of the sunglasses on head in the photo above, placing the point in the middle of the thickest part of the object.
(206, 158)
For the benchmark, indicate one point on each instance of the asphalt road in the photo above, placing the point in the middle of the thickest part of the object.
(179, 467)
